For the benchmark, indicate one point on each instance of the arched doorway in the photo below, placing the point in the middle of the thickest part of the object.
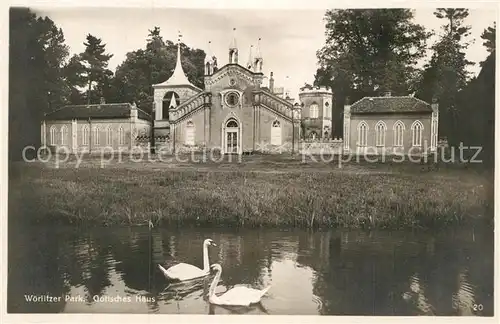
(231, 137)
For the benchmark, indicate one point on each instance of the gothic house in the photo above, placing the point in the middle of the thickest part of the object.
(233, 114)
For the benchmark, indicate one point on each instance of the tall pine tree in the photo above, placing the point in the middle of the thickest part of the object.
(95, 60)
(75, 78)
(446, 74)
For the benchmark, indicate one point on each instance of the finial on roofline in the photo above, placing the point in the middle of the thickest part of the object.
(258, 55)
(233, 49)
(250, 63)
(233, 44)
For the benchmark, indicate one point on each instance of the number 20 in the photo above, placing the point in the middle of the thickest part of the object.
(477, 307)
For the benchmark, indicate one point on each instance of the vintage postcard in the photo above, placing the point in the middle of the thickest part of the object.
(183, 160)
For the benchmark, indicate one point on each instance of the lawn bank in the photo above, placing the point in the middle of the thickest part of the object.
(96, 196)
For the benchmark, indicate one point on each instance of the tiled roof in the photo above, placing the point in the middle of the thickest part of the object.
(115, 110)
(389, 105)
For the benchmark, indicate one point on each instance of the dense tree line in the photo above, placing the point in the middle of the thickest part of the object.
(367, 51)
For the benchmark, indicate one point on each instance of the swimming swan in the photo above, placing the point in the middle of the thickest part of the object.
(237, 296)
(184, 271)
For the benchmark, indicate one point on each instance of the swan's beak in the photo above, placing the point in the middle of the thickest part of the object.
(213, 244)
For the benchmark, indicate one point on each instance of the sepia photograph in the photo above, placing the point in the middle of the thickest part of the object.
(222, 161)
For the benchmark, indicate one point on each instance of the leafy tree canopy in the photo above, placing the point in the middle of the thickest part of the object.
(144, 67)
(368, 51)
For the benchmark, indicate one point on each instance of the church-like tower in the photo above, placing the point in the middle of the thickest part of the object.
(250, 62)
(258, 60)
(171, 93)
(316, 112)
(233, 50)
(210, 61)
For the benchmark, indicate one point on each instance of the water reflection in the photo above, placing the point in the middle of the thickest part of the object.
(463, 299)
(416, 296)
(115, 270)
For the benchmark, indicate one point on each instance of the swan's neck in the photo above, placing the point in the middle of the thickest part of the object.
(206, 264)
(213, 285)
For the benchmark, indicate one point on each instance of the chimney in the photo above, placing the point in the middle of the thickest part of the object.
(103, 101)
(271, 83)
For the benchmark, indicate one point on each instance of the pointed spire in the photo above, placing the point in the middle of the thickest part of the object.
(258, 61)
(258, 54)
(233, 44)
(250, 59)
(179, 76)
(173, 102)
(209, 60)
(233, 50)
(209, 55)
(178, 63)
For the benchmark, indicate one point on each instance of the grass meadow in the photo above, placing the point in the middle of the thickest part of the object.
(262, 192)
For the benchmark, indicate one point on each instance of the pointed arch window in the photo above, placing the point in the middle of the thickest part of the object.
(85, 135)
(380, 129)
(313, 111)
(96, 135)
(109, 136)
(417, 129)
(52, 135)
(232, 123)
(189, 140)
(64, 135)
(276, 133)
(362, 134)
(399, 128)
(121, 136)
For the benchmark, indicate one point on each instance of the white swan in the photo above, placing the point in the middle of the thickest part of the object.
(184, 271)
(237, 296)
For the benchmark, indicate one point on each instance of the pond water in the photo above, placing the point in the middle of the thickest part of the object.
(114, 270)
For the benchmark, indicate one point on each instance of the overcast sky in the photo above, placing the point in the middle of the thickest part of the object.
(290, 38)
